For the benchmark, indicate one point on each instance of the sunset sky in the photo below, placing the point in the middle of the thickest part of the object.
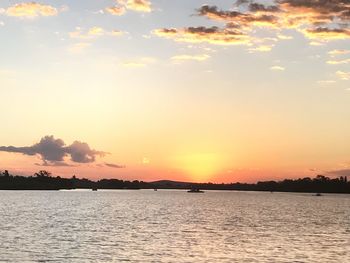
(188, 90)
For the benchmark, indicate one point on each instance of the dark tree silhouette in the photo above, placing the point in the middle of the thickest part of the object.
(43, 180)
(42, 173)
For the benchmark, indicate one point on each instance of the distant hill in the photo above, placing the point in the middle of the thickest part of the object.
(168, 184)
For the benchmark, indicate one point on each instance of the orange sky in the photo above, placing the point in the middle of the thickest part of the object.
(256, 94)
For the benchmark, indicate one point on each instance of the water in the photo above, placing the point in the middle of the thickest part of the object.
(173, 226)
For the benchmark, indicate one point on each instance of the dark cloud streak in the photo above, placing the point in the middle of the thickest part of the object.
(117, 166)
(324, 20)
(342, 172)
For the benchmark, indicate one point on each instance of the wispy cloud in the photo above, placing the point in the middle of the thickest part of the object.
(116, 10)
(317, 43)
(326, 82)
(325, 33)
(78, 48)
(337, 52)
(201, 57)
(261, 48)
(277, 68)
(93, 32)
(55, 164)
(134, 64)
(339, 62)
(341, 172)
(343, 75)
(139, 62)
(284, 37)
(122, 6)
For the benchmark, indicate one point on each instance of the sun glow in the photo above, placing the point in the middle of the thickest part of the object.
(200, 167)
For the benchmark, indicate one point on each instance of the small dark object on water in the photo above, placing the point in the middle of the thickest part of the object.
(195, 191)
(94, 189)
(155, 189)
(318, 194)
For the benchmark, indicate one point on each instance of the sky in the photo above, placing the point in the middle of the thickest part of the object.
(187, 90)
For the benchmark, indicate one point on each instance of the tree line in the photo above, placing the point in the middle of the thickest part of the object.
(43, 180)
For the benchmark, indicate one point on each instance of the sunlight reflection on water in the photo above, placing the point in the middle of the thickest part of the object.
(173, 226)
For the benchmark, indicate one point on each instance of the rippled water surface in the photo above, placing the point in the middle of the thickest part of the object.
(173, 226)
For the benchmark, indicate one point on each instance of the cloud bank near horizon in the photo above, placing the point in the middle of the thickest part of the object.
(53, 152)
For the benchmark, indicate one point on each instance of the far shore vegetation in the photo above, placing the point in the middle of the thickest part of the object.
(43, 180)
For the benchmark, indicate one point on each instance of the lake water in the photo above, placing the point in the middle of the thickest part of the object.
(173, 226)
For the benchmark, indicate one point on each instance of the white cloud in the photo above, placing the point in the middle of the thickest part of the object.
(30, 10)
(338, 62)
(343, 75)
(326, 82)
(78, 47)
(201, 57)
(93, 32)
(337, 52)
(277, 68)
(262, 48)
(139, 62)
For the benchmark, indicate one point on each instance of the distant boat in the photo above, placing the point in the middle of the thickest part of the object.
(94, 189)
(195, 190)
(155, 189)
(318, 194)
